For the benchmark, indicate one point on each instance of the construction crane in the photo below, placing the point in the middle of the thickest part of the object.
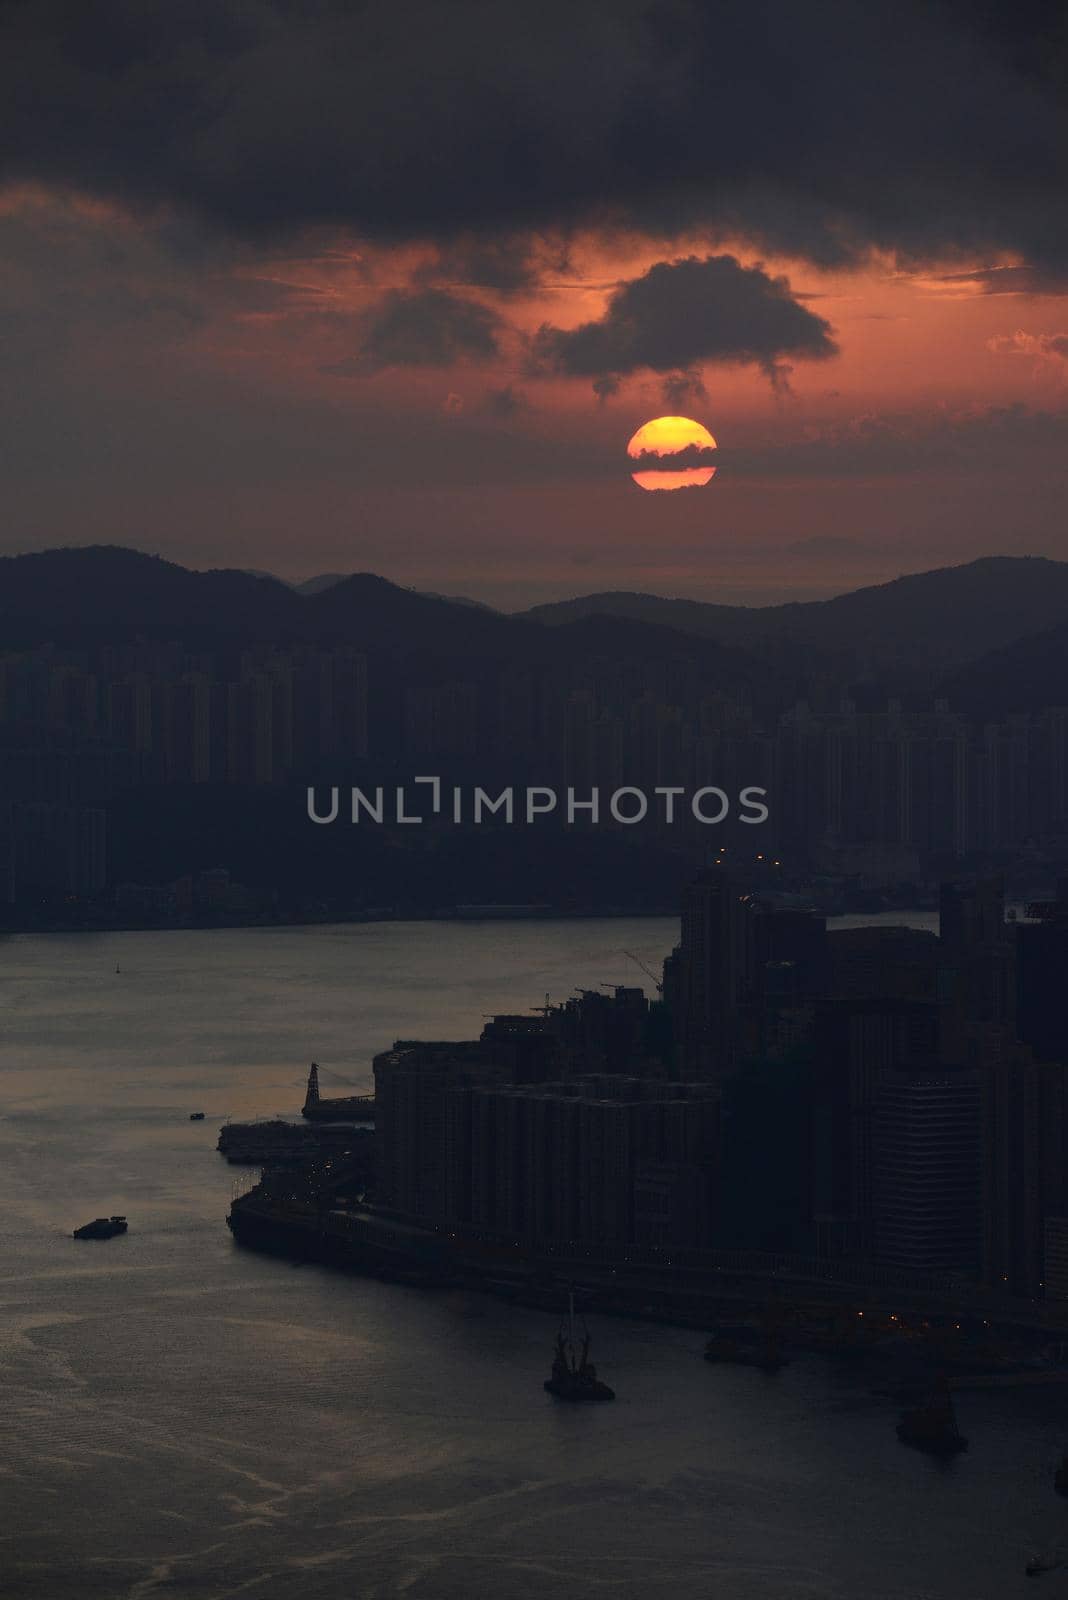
(336, 1077)
(649, 973)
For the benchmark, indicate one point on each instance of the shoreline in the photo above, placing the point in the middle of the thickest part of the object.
(395, 1250)
(467, 915)
(194, 925)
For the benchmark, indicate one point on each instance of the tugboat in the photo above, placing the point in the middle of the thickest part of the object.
(933, 1427)
(1037, 1566)
(1060, 1477)
(574, 1376)
(101, 1228)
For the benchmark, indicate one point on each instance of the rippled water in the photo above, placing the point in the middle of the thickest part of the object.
(181, 1418)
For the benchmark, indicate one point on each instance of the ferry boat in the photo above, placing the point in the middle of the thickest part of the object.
(574, 1376)
(1037, 1565)
(101, 1228)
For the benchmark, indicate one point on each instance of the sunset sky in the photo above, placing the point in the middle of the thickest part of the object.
(331, 288)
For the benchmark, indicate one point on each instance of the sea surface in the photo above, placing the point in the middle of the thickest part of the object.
(180, 1418)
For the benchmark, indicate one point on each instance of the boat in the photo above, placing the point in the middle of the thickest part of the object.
(1060, 1477)
(574, 1376)
(1036, 1567)
(101, 1228)
(933, 1427)
(196, 1116)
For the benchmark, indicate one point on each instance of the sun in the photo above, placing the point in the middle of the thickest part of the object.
(674, 452)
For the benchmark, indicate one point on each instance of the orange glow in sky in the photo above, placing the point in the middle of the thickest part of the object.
(936, 434)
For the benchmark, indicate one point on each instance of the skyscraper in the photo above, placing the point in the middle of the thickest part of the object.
(714, 963)
(926, 1171)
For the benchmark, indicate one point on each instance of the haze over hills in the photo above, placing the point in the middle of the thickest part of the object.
(939, 619)
(991, 633)
(330, 580)
(98, 587)
(72, 595)
(321, 581)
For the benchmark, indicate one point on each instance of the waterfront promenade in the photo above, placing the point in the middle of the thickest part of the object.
(673, 1285)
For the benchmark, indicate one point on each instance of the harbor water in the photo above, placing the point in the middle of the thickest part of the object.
(184, 1419)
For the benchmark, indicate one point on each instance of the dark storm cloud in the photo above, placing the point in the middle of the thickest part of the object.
(429, 328)
(682, 313)
(506, 265)
(1010, 280)
(682, 388)
(693, 455)
(821, 129)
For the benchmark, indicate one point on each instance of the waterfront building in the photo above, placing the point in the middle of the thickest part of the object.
(601, 1159)
(1025, 1174)
(57, 850)
(1056, 1258)
(1042, 961)
(927, 1171)
(421, 1157)
(714, 965)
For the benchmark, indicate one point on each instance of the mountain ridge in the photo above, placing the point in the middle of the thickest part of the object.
(929, 632)
(919, 619)
(85, 593)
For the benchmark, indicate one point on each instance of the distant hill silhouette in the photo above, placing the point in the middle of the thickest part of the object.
(938, 619)
(330, 580)
(381, 615)
(990, 634)
(93, 589)
(107, 586)
(456, 600)
(101, 589)
(1027, 673)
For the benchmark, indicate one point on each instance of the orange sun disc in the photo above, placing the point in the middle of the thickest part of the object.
(673, 453)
